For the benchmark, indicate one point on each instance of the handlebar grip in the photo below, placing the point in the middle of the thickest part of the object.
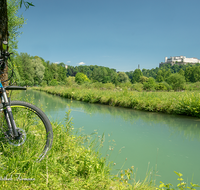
(5, 45)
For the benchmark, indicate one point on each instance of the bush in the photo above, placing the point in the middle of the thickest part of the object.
(167, 86)
(69, 81)
(109, 86)
(43, 83)
(21, 83)
(80, 78)
(177, 81)
(150, 84)
(53, 82)
(125, 85)
(160, 86)
(137, 86)
(143, 79)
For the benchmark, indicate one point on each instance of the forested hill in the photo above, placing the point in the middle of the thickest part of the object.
(34, 70)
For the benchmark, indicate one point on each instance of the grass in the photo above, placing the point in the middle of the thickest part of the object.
(183, 103)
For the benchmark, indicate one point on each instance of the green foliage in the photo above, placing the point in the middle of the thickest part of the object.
(137, 86)
(181, 72)
(43, 83)
(122, 77)
(150, 84)
(15, 22)
(177, 81)
(80, 78)
(53, 82)
(69, 81)
(39, 69)
(159, 77)
(36, 70)
(136, 75)
(160, 86)
(143, 79)
(95, 73)
(181, 185)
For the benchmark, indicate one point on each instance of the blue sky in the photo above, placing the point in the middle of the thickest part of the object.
(118, 34)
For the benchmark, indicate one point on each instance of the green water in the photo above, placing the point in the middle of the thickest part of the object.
(159, 143)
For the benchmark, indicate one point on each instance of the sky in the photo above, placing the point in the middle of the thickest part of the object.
(119, 34)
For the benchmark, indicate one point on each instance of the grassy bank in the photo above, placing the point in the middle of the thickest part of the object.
(183, 103)
(72, 163)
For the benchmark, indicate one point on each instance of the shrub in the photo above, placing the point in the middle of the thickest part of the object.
(43, 83)
(177, 81)
(69, 81)
(80, 78)
(137, 86)
(109, 86)
(160, 86)
(125, 85)
(167, 85)
(143, 79)
(53, 82)
(150, 84)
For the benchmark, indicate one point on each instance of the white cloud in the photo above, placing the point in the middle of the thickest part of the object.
(81, 63)
(57, 62)
(68, 61)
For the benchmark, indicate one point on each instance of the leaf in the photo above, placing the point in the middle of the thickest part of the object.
(179, 174)
(20, 3)
(30, 4)
(180, 179)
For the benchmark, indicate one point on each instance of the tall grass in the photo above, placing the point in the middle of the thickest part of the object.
(184, 103)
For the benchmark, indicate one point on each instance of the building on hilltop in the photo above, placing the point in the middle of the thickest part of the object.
(180, 60)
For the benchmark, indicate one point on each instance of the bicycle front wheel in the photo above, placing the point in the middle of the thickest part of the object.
(36, 132)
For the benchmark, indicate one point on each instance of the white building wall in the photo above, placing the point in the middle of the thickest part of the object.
(180, 60)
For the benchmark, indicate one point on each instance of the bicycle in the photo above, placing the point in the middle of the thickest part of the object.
(24, 128)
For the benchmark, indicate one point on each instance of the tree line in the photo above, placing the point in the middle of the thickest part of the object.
(34, 70)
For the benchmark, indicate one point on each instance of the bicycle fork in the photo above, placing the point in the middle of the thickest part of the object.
(8, 114)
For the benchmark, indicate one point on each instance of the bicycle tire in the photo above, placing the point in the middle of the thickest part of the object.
(36, 129)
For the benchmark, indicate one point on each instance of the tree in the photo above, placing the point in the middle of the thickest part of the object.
(122, 77)
(4, 30)
(181, 72)
(39, 68)
(15, 22)
(150, 84)
(143, 79)
(81, 78)
(177, 81)
(136, 75)
(3, 34)
(159, 77)
(188, 74)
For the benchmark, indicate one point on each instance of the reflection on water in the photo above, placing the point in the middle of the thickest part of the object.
(166, 143)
